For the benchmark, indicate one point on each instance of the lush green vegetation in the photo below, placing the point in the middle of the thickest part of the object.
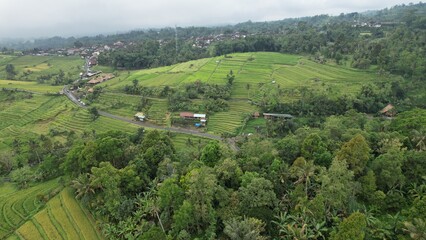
(396, 46)
(340, 169)
(337, 180)
(259, 77)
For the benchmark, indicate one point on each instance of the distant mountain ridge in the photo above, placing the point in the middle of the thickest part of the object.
(398, 13)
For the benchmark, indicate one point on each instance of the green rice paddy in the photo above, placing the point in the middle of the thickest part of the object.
(62, 218)
(253, 73)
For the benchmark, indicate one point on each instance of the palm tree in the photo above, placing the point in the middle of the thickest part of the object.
(83, 187)
(419, 139)
(300, 227)
(154, 209)
(416, 229)
(417, 191)
(284, 220)
(150, 204)
(247, 229)
(304, 171)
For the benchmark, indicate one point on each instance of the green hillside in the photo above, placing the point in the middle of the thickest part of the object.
(255, 69)
(23, 118)
(62, 218)
(30, 68)
(255, 75)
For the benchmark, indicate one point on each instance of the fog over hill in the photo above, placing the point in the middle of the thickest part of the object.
(47, 18)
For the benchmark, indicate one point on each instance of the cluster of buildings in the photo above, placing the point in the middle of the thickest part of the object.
(91, 53)
(199, 119)
(366, 24)
(100, 78)
(195, 116)
(205, 41)
(373, 24)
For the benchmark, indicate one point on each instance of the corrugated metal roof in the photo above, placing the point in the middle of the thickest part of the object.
(186, 114)
(199, 115)
(278, 115)
(387, 108)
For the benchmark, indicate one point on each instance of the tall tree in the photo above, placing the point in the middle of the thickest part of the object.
(355, 153)
(211, 154)
(94, 112)
(337, 185)
(303, 171)
(201, 185)
(352, 228)
(10, 71)
(246, 229)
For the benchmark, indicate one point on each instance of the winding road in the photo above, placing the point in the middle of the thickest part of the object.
(146, 124)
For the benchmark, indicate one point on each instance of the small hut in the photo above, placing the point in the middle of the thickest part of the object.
(388, 111)
(140, 116)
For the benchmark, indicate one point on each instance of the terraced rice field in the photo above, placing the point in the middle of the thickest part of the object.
(228, 122)
(62, 218)
(17, 206)
(28, 117)
(254, 72)
(157, 112)
(251, 70)
(17, 115)
(104, 124)
(310, 74)
(119, 104)
(125, 105)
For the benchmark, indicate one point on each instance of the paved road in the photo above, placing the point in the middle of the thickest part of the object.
(145, 124)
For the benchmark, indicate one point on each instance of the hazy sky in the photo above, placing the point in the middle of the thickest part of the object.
(46, 18)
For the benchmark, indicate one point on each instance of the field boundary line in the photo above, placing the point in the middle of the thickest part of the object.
(89, 217)
(245, 62)
(70, 217)
(217, 65)
(39, 228)
(17, 234)
(55, 223)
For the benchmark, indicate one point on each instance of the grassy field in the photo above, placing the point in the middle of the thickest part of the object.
(17, 206)
(29, 68)
(30, 86)
(254, 125)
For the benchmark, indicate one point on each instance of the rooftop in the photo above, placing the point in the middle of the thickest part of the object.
(281, 115)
